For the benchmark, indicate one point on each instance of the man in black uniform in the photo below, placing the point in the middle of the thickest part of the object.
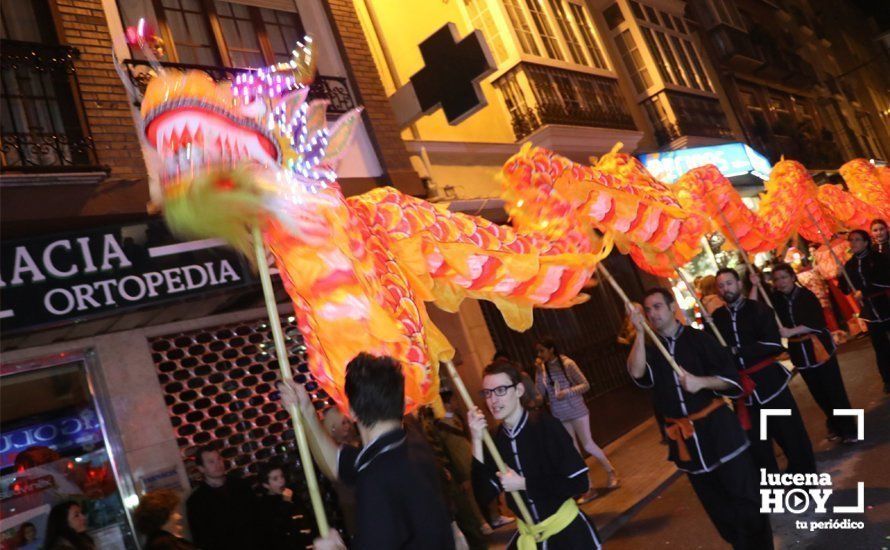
(870, 273)
(544, 466)
(812, 349)
(705, 438)
(751, 330)
(399, 501)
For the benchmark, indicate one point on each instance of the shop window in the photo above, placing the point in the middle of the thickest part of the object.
(54, 449)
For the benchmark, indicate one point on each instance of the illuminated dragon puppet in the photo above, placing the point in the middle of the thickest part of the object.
(791, 203)
(660, 226)
(617, 198)
(256, 153)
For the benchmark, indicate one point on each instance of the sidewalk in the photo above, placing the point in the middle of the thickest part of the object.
(641, 461)
(660, 512)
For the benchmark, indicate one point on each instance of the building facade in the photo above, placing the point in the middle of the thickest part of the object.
(123, 349)
(806, 80)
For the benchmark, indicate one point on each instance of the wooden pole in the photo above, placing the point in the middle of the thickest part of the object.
(704, 313)
(321, 518)
(750, 266)
(652, 336)
(487, 440)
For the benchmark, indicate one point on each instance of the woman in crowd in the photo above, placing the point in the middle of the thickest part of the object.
(870, 274)
(157, 517)
(545, 469)
(881, 237)
(563, 385)
(812, 349)
(66, 528)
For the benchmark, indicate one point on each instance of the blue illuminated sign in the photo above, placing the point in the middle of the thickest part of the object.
(733, 159)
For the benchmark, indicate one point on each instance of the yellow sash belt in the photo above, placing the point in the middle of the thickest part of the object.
(531, 535)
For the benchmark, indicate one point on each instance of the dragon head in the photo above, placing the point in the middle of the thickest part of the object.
(229, 154)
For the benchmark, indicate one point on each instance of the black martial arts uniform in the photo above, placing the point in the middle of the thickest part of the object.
(399, 503)
(870, 273)
(751, 330)
(822, 375)
(716, 455)
(540, 449)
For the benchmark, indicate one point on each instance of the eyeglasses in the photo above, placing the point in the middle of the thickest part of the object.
(499, 391)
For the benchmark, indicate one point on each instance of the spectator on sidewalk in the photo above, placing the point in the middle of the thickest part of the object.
(343, 432)
(563, 385)
(341, 428)
(277, 512)
(881, 237)
(157, 517)
(456, 442)
(66, 528)
(221, 510)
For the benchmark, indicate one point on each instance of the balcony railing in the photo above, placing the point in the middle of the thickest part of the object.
(695, 116)
(557, 96)
(333, 88)
(735, 48)
(41, 128)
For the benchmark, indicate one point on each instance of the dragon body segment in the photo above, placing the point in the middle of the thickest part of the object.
(255, 153)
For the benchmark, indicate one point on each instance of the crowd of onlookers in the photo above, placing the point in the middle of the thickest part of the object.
(225, 512)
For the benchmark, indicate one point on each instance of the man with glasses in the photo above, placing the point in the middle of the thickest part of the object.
(544, 466)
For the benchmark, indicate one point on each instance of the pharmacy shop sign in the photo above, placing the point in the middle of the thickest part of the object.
(58, 279)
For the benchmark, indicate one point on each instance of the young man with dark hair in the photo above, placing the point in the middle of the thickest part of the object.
(544, 466)
(705, 438)
(532, 398)
(750, 329)
(221, 510)
(398, 493)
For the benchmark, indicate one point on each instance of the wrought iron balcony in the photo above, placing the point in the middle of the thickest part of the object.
(42, 130)
(695, 116)
(558, 96)
(735, 48)
(333, 88)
